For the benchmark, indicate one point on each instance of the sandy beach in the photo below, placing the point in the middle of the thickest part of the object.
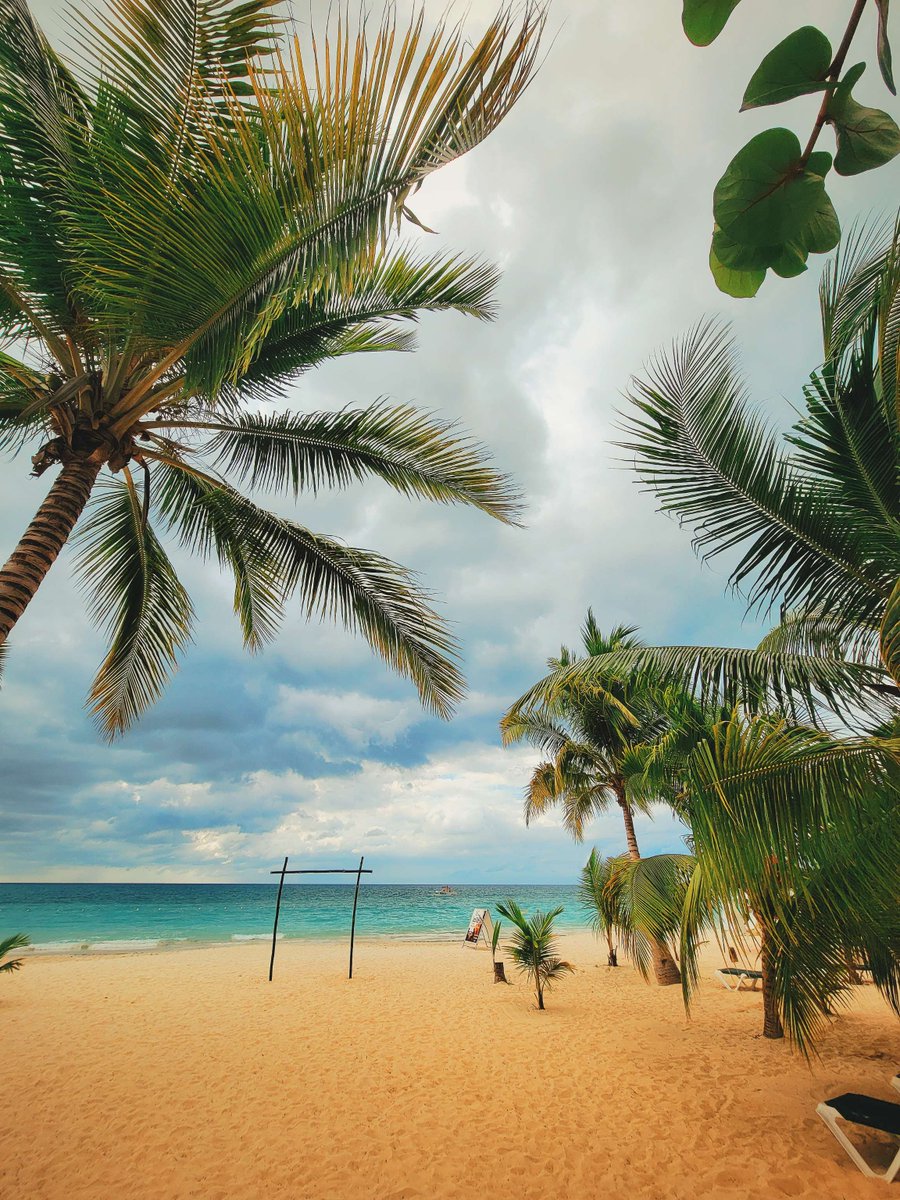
(186, 1074)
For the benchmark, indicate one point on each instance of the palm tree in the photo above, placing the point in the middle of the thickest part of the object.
(7, 945)
(795, 833)
(533, 949)
(190, 217)
(591, 736)
(597, 892)
(638, 900)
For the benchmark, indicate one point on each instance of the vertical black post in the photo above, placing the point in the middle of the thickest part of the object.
(277, 910)
(353, 922)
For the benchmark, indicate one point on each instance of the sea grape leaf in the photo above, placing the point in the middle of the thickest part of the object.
(884, 46)
(796, 67)
(738, 256)
(740, 284)
(739, 264)
(790, 262)
(866, 137)
(766, 196)
(704, 20)
(823, 231)
(890, 634)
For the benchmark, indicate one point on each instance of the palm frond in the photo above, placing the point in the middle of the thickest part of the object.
(649, 898)
(806, 686)
(147, 612)
(851, 285)
(846, 443)
(189, 502)
(759, 789)
(16, 942)
(353, 307)
(360, 589)
(708, 459)
(43, 113)
(414, 453)
(822, 635)
(313, 175)
(537, 727)
(24, 396)
(172, 62)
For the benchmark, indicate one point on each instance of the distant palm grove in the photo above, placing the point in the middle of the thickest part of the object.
(193, 212)
(783, 762)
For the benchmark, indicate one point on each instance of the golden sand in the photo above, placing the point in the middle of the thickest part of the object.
(187, 1074)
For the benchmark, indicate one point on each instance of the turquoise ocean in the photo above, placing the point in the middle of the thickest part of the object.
(98, 917)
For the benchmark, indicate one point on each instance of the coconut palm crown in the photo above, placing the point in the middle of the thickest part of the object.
(194, 212)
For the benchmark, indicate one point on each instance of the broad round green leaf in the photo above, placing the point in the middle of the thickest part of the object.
(791, 261)
(740, 284)
(823, 231)
(765, 196)
(796, 67)
(704, 20)
(738, 256)
(866, 137)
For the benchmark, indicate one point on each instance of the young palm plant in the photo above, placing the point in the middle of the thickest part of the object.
(639, 901)
(589, 736)
(16, 942)
(191, 216)
(597, 892)
(533, 948)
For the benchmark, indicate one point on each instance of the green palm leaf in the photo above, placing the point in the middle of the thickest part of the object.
(190, 502)
(42, 116)
(362, 590)
(823, 635)
(351, 310)
(708, 459)
(890, 633)
(750, 766)
(313, 175)
(723, 676)
(147, 611)
(414, 453)
(7, 945)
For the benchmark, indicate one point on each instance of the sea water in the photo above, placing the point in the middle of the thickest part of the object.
(98, 917)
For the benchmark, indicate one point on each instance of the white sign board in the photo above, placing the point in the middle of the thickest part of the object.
(480, 927)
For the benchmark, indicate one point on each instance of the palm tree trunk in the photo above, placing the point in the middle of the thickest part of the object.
(665, 969)
(538, 988)
(630, 839)
(772, 1026)
(42, 541)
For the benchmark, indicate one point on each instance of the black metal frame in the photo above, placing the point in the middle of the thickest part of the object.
(357, 871)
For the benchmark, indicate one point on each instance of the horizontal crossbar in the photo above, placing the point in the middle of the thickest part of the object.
(329, 871)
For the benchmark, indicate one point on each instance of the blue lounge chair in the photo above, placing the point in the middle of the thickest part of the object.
(870, 1113)
(740, 975)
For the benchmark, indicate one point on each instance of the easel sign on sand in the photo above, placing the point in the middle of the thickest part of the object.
(480, 927)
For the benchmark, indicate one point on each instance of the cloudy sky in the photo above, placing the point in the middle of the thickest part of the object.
(594, 196)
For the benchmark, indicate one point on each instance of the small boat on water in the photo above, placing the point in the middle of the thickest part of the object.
(446, 890)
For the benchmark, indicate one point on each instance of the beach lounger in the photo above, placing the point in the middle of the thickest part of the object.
(740, 976)
(882, 1115)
